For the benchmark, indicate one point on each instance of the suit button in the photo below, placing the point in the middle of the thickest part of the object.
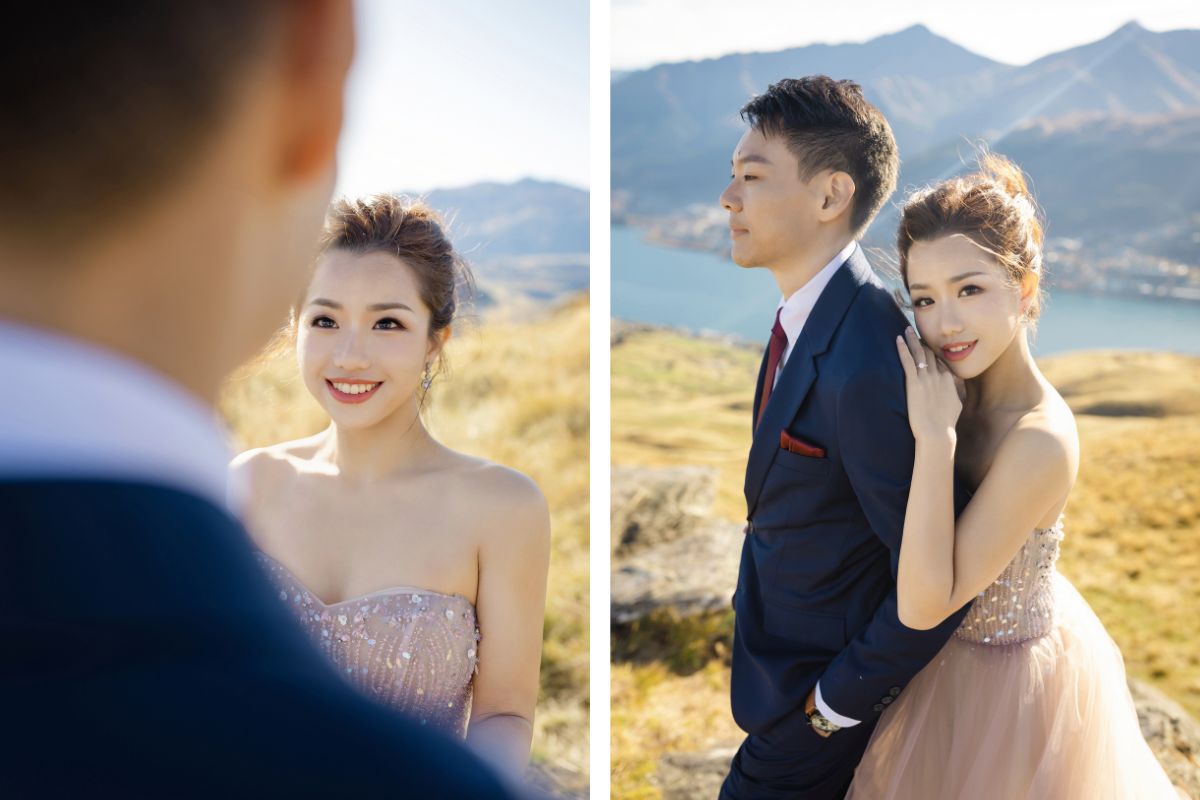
(887, 700)
(894, 691)
(878, 707)
(749, 529)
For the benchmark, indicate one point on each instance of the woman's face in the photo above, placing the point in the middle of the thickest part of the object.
(965, 306)
(363, 336)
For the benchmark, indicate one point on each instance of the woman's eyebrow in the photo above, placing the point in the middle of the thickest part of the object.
(322, 301)
(955, 279)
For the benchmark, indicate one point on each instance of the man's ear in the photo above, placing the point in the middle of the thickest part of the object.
(317, 50)
(837, 189)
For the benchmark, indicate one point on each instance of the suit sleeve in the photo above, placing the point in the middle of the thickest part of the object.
(877, 451)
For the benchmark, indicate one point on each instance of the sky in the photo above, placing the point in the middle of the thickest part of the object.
(455, 92)
(646, 32)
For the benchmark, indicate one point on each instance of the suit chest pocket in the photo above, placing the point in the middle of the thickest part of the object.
(801, 463)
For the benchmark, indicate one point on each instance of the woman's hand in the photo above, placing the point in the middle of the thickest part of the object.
(934, 399)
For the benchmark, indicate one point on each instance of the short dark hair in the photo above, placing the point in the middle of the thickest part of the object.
(828, 124)
(105, 102)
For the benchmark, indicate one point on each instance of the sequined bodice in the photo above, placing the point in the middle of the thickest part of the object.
(410, 649)
(1019, 605)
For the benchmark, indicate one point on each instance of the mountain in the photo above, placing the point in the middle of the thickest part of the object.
(527, 240)
(675, 125)
(1109, 178)
(1107, 130)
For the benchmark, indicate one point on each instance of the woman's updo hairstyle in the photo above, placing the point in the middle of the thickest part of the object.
(413, 232)
(994, 208)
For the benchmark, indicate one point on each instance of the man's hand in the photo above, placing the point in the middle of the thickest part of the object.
(810, 705)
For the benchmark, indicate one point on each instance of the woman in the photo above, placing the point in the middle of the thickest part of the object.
(1028, 699)
(390, 547)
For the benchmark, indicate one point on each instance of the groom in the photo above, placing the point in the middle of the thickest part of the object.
(819, 652)
(166, 167)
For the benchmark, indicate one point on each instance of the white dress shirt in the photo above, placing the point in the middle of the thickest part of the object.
(72, 409)
(795, 311)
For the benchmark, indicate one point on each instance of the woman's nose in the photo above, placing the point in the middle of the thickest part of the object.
(351, 354)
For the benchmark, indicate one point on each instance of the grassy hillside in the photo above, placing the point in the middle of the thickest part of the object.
(1132, 545)
(516, 394)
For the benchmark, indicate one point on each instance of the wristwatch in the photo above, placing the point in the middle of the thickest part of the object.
(820, 723)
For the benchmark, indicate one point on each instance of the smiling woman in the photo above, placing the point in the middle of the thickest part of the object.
(419, 571)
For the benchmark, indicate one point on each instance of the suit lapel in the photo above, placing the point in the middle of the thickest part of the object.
(758, 389)
(800, 371)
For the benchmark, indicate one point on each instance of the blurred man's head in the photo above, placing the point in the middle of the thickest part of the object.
(817, 164)
(166, 170)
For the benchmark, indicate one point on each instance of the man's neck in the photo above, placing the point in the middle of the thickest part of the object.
(793, 273)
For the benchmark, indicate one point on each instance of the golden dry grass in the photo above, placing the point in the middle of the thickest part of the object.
(1133, 524)
(517, 394)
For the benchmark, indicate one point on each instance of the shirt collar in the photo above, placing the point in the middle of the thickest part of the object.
(796, 308)
(75, 410)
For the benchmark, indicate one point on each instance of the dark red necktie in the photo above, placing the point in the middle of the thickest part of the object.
(774, 354)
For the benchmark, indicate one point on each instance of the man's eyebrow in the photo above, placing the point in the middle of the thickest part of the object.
(751, 159)
(955, 279)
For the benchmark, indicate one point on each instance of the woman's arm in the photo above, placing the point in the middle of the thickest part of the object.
(511, 604)
(944, 564)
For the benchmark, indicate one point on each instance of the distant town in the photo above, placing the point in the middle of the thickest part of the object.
(1109, 267)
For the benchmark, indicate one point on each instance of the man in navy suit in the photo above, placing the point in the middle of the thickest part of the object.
(167, 166)
(819, 652)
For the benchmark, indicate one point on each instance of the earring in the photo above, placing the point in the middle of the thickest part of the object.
(427, 380)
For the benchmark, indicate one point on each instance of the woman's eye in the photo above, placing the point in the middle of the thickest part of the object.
(749, 177)
(969, 289)
(921, 302)
(323, 322)
(389, 324)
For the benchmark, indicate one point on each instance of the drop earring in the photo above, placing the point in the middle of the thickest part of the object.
(427, 379)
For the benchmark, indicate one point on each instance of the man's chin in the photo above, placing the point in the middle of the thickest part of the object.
(743, 258)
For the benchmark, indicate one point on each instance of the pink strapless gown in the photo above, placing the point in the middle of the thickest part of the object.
(408, 648)
(1027, 700)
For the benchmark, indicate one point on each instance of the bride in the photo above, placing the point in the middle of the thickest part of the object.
(1028, 699)
(419, 571)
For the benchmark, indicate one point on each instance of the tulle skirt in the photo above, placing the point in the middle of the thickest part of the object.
(1046, 719)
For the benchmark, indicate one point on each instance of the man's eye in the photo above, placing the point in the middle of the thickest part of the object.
(389, 324)
(749, 177)
(323, 322)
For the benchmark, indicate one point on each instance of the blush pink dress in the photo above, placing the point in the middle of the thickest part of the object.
(406, 647)
(1027, 701)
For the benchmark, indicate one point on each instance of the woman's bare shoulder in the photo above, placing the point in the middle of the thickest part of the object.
(510, 499)
(262, 468)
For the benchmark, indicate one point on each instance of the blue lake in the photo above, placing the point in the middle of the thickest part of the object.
(703, 291)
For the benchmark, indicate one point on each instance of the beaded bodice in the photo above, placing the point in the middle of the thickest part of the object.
(1019, 605)
(408, 648)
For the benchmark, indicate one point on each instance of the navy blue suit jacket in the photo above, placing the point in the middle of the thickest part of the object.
(816, 596)
(144, 655)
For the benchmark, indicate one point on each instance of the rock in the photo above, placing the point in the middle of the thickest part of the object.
(683, 776)
(1173, 736)
(557, 781)
(651, 506)
(691, 575)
